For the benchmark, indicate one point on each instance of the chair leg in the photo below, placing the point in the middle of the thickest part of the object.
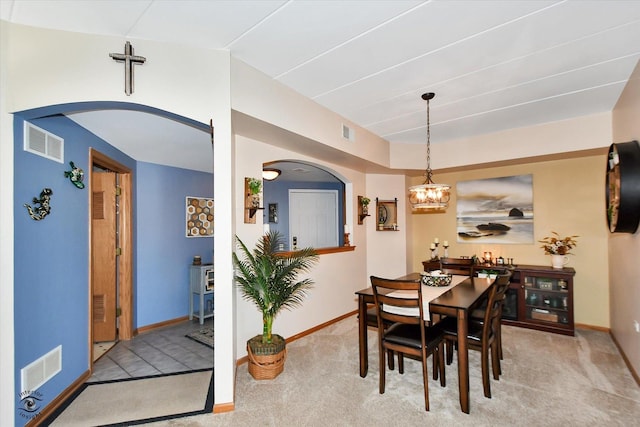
(425, 381)
(443, 380)
(495, 361)
(382, 368)
(400, 363)
(449, 352)
(485, 371)
(436, 364)
(390, 356)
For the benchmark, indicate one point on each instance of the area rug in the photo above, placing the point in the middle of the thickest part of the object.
(203, 336)
(139, 401)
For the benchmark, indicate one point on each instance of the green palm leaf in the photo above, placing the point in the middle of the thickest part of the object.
(269, 278)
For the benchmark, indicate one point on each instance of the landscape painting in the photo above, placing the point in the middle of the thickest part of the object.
(495, 210)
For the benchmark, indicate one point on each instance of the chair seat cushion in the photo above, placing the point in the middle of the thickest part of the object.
(409, 335)
(449, 326)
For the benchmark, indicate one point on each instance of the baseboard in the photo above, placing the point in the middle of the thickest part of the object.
(302, 334)
(634, 374)
(220, 408)
(160, 325)
(59, 400)
(592, 327)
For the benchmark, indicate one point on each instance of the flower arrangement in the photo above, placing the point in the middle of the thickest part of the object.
(556, 245)
(365, 201)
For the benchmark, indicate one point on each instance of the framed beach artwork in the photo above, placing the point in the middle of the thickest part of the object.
(199, 216)
(495, 210)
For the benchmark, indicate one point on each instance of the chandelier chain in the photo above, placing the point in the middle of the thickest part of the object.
(428, 172)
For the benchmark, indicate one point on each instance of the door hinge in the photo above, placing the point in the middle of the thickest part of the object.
(118, 190)
(118, 251)
(118, 312)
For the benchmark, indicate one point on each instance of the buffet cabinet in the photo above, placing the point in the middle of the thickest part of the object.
(540, 298)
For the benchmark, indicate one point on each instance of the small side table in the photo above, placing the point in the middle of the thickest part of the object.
(201, 283)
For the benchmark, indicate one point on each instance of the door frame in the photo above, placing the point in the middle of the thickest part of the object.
(125, 260)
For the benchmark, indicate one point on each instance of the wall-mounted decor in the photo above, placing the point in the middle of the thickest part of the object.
(495, 210)
(253, 199)
(75, 175)
(623, 187)
(199, 217)
(273, 213)
(42, 205)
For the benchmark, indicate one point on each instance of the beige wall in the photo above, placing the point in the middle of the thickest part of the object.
(624, 268)
(337, 276)
(569, 199)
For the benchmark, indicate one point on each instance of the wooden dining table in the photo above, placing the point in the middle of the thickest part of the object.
(458, 301)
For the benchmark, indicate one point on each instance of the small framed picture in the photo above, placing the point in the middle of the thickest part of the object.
(273, 213)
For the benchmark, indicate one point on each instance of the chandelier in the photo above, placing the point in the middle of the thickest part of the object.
(429, 196)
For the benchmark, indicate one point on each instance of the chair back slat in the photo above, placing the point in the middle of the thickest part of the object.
(458, 266)
(405, 295)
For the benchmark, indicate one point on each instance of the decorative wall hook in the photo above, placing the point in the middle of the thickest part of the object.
(39, 212)
(76, 175)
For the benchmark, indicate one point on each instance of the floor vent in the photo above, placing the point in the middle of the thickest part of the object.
(40, 371)
(39, 141)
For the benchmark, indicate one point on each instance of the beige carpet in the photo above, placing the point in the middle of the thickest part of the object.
(130, 401)
(548, 380)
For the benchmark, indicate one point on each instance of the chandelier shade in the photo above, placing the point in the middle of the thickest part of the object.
(429, 195)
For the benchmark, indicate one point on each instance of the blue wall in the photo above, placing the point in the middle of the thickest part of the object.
(164, 253)
(51, 256)
(278, 192)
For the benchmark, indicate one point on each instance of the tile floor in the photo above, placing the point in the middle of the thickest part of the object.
(161, 351)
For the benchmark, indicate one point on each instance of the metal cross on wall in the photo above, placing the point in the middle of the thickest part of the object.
(129, 60)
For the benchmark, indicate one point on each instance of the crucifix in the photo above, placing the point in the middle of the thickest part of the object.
(129, 60)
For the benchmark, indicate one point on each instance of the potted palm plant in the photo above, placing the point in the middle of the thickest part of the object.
(269, 279)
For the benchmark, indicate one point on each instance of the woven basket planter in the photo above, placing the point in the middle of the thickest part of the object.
(266, 361)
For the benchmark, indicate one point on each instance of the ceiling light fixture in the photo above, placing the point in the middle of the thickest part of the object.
(270, 174)
(429, 196)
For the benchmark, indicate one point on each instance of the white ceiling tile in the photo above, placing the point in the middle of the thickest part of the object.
(206, 24)
(303, 29)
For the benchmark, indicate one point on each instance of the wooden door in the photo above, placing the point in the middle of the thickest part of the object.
(103, 256)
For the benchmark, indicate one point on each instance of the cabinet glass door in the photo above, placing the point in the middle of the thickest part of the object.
(546, 299)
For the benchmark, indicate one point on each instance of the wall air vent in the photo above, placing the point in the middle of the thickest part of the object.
(39, 141)
(40, 371)
(348, 133)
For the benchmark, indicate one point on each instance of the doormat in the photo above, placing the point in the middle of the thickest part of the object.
(203, 336)
(137, 401)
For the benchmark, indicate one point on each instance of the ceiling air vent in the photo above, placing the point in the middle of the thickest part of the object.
(39, 141)
(348, 133)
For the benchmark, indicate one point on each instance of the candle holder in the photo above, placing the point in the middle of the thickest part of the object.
(446, 251)
(434, 251)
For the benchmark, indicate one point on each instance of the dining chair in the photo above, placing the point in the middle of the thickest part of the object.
(481, 336)
(372, 320)
(400, 303)
(459, 266)
(503, 281)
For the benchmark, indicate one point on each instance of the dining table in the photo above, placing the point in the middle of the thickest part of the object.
(458, 300)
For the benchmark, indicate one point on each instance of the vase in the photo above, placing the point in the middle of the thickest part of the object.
(559, 261)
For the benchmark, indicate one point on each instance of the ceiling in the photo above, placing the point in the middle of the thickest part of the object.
(493, 64)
